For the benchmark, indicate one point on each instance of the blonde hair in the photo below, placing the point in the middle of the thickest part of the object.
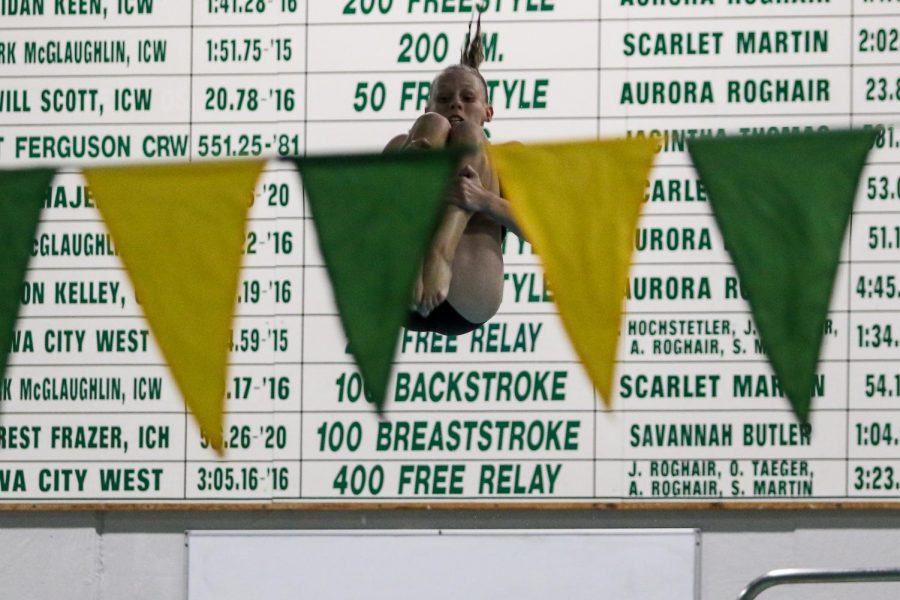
(473, 48)
(471, 57)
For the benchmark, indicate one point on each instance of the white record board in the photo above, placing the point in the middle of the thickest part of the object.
(505, 414)
(522, 564)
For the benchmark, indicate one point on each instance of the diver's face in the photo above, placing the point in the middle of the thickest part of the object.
(459, 95)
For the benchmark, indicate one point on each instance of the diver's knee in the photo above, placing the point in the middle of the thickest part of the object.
(466, 132)
(431, 125)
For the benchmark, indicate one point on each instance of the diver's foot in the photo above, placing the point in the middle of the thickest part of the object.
(436, 275)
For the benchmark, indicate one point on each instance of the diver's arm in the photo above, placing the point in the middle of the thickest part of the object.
(468, 194)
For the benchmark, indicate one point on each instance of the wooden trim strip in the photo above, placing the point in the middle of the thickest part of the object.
(447, 506)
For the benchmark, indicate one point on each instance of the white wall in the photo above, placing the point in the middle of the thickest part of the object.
(141, 555)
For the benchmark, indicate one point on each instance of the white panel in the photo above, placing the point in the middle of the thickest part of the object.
(531, 565)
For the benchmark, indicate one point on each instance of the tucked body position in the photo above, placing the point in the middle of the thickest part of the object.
(460, 285)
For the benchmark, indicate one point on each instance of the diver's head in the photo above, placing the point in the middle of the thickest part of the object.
(460, 93)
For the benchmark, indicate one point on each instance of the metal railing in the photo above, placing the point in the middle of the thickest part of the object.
(793, 576)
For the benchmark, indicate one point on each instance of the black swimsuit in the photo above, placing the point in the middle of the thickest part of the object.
(444, 320)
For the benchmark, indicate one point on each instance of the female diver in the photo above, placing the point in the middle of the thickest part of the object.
(460, 285)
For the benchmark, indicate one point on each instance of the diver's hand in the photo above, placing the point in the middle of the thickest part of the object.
(466, 192)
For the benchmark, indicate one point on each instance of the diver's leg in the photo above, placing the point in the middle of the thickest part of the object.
(430, 130)
(464, 265)
(476, 289)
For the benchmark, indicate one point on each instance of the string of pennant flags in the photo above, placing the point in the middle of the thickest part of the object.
(782, 204)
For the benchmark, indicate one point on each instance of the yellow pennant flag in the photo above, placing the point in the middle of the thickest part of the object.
(179, 230)
(578, 204)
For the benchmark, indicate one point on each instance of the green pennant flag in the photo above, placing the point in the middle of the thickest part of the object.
(21, 198)
(783, 204)
(375, 216)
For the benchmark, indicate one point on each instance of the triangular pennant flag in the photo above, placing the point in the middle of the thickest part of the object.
(21, 198)
(578, 203)
(783, 204)
(179, 230)
(375, 215)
